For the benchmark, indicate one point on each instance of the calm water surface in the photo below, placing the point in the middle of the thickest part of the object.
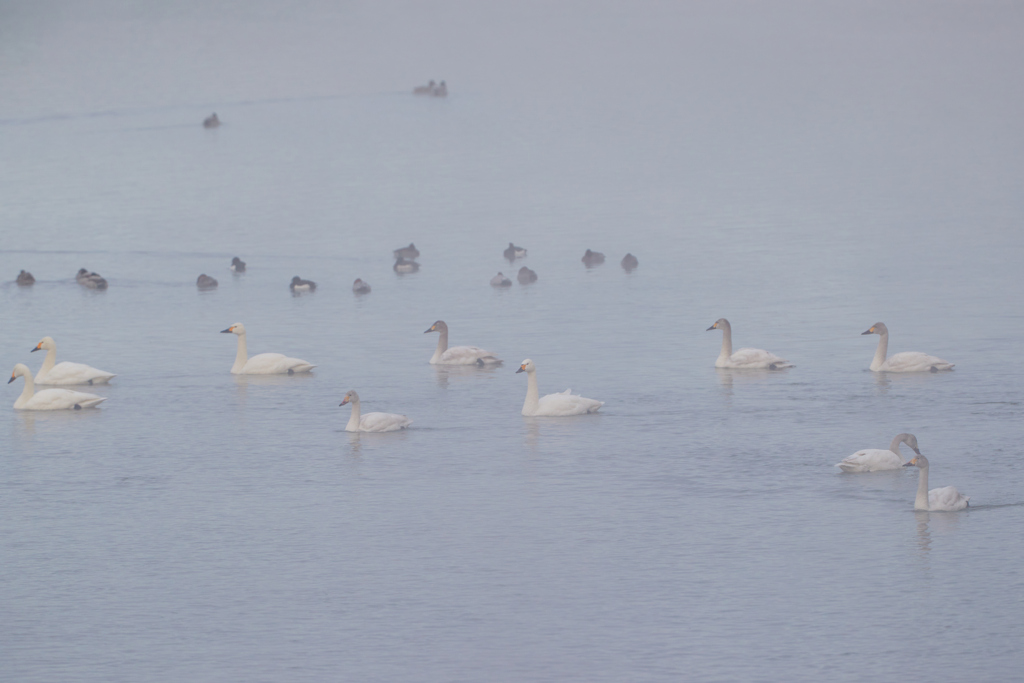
(804, 171)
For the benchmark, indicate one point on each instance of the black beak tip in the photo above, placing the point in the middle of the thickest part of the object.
(906, 464)
(10, 380)
(34, 349)
(520, 370)
(710, 328)
(225, 331)
(865, 332)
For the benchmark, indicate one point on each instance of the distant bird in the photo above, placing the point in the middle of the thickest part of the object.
(360, 287)
(526, 276)
(500, 280)
(403, 265)
(907, 361)
(211, 121)
(458, 355)
(238, 265)
(513, 252)
(592, 258)
(90, 280)
(409, 252)
(441, 90)
(745, 358)
(206, 282)
(263, 363)
(25, 279)
(629, 262)
(427, 89)
(300, 285)
(371, 422)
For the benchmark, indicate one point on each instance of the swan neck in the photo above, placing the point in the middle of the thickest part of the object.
(48, 362)
(242, 356)
(27, 392)
(532, 401)
(921, 501)
(881, 351)
(353, 421)
(895, 446)
(442, 346)
(726, 342)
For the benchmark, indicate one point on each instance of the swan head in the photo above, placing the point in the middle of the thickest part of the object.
(20, 370)
(350, 397)
(877, 328)
(45, 344)
(917, 461)
(911, 441)
(721, 323)
(237, 328)
(439, 326)
(526, 366)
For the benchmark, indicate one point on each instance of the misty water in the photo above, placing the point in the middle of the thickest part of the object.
(802, 169)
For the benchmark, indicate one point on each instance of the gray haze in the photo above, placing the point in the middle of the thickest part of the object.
(803, 169)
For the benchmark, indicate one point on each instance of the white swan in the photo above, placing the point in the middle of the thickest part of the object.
(372, 422)
(50, 399)
(946, 499)
(264, 363)
(875, 459)
(908, 361)
(65, 372)
(748, 359)
(553, 405)
(458, 355)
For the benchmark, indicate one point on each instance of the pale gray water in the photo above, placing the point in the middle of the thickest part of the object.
(805, 171)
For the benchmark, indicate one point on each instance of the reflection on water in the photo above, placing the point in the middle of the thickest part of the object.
(457, 374)
(924, 536)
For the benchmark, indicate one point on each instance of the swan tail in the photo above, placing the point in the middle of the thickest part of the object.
(489, 360)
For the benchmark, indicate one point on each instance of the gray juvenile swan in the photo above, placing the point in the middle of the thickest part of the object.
(946, 499)
(746, 359)
(908, 361)
(372, 422)
(875, 459)
(458, 355)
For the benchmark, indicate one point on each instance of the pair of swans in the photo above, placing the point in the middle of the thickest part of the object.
(908, 361)
(372, 422)
(50, 399)
(946, 499)
(552, 405)
(264, 363)
(458, 355)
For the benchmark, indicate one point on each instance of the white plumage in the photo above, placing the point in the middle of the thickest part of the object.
(372, 422)
(946, 499)
(744, 359)
(264, 363)
(65, 373)
(564, 404)
(50, 399)
(458, 355)
(907, 361)
(876, 459)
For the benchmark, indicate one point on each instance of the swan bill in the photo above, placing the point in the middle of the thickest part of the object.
(715, 326)
(230, 329)
(11, 379)
(522, 368)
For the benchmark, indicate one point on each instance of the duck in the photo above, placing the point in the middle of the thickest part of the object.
(90, 280)
(360, 287)
(907, 361)
(500, 280)
(211, 121)
(410, 252)
(372, 422)
(553, 405)
(300, 285)
(526, 276)
(441, 90)
(629, 263)
(404, 265)
(513, 252)
(237, 265)
(25, 279)
(458, 355)
(946, 499)
(744, 359)
(206, 282)
(876, 460)
(54, 373)
(50, 399)
(264, 363)
(424, 89)
(592, 258)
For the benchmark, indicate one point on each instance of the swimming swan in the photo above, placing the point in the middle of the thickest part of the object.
(65, 372)
(946, 499)
(264, 363)
(50, 399)
(458, 355)
(748, 359)
(875, 459)
(553, 405)
(372, 422)
(908, 361)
